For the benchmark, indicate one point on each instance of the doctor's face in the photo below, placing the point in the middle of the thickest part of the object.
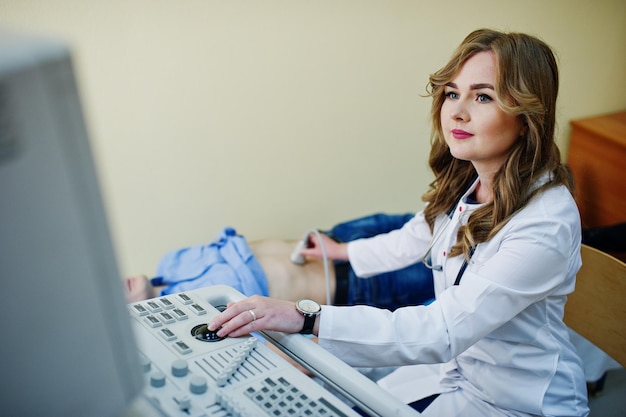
(474, 126)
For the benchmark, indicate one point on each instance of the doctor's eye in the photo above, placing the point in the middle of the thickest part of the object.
(484, 98)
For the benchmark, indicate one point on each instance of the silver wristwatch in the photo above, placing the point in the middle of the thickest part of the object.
(310, 310)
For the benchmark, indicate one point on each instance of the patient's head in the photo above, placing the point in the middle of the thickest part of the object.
(138, 288)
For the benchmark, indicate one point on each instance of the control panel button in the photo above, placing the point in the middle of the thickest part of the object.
(157, 379)
(180, 368)
(197, 384)
(184, 298)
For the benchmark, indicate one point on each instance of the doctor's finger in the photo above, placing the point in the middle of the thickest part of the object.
(243, 323)
(232, 310)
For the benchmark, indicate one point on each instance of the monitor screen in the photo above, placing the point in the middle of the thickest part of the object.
(67, 347)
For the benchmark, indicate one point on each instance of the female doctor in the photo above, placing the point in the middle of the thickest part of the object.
(501, 232)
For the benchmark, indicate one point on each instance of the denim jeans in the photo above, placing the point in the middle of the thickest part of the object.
(412, 285)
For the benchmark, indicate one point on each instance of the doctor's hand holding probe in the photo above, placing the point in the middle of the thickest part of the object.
(501, 232)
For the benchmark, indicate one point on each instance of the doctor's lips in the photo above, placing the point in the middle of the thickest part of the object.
(461, 134)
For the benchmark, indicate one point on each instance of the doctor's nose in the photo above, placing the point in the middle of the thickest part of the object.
(459, 112)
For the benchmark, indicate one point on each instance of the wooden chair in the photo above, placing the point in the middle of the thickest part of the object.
(597, 308)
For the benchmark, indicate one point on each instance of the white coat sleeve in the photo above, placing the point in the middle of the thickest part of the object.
(390, 251)
(535, 259)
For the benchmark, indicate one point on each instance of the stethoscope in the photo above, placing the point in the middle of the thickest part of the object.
(427, 260)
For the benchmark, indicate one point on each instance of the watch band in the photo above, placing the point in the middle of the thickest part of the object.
(309, 322)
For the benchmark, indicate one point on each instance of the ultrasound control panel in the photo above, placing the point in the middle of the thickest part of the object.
(191, 372)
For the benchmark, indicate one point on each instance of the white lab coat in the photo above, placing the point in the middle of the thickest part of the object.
(499, 335)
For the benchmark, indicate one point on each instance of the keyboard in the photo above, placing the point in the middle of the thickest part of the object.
(191, 372)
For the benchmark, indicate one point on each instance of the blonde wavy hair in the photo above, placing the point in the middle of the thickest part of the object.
(527, 83)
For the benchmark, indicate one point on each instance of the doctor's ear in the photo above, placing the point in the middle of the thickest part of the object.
(523, 131)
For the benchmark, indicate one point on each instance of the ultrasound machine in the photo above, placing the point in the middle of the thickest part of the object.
(71, 346)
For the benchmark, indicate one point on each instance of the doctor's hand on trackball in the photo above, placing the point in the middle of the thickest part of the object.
(263, 313)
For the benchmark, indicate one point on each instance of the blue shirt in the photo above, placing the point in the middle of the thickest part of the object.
(227, 260)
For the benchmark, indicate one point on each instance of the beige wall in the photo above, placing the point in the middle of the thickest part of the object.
(278, 116)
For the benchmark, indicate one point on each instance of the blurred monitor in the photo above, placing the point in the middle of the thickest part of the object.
(67, 347)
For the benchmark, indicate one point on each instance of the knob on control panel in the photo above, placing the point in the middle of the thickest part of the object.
(197, 384)
(180, 368)
(202, 332)
(157, 379)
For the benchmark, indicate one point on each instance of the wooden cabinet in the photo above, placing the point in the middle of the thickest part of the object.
(597, 157)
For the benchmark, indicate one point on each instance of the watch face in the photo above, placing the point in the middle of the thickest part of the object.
(309, 306)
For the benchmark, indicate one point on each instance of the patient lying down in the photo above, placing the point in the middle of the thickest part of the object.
(412, 285)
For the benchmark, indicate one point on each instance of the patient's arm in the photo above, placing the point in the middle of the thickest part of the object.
(286, 280)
